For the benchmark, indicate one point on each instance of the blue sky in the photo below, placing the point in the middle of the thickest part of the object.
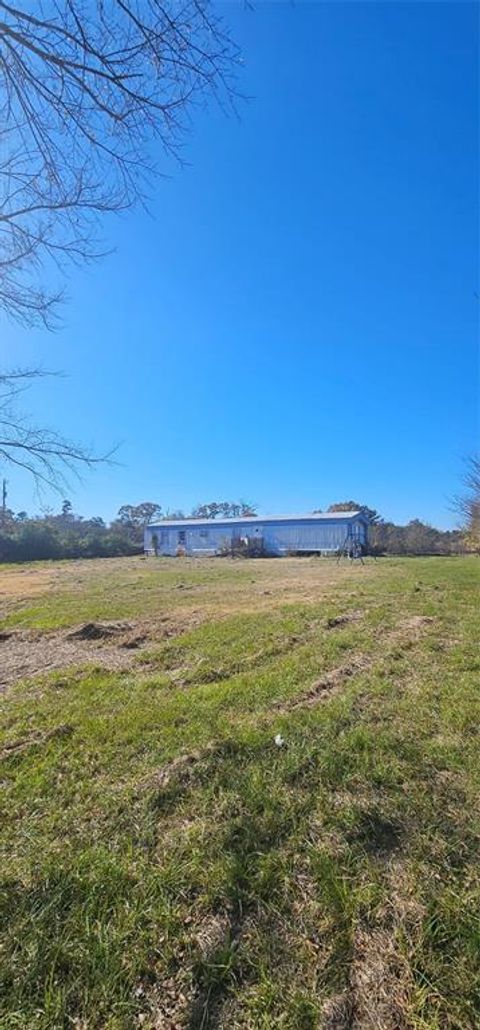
(295, 321)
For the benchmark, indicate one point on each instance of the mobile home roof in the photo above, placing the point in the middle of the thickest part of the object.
(330, 516)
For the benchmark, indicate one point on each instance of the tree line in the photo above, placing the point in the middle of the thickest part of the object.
(66, 534)
(416, 537)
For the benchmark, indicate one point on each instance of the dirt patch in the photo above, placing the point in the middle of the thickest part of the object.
(165, 1005)
(28, 653)
(99, 630)
(132, 643)
(112, 646)
(417, 621)
(344, 619)
(411, 628)
(331, 683)
(212, 933)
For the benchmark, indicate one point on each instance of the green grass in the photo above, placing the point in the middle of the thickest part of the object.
(121, 589)
(164, 863)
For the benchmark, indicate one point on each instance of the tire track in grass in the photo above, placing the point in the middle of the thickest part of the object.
(181, 769)
(332, 682)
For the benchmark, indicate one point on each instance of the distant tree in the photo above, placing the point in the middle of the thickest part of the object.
(381, 538)
(224, 509)
(420, 538)
(56, 536)
(248, 510)
(7, 517)
(416, 537)
(139, 514)
(206, 511)
(134, 518)
(468, 503)
(67, 510)
(372, 513)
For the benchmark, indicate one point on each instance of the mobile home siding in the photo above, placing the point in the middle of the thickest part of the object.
(280, 535)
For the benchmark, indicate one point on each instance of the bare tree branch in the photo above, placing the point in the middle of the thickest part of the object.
(42, 452)
(86, 87)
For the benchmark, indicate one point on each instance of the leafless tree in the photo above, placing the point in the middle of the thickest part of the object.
(86, 87)
(467, 504)
(45, 454)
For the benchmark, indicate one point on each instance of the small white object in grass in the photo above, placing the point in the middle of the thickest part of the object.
(279, 740)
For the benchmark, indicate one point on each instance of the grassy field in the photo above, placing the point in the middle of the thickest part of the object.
(164, 863)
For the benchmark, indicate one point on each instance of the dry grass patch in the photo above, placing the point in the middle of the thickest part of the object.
(106, 645)
(28, 581)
